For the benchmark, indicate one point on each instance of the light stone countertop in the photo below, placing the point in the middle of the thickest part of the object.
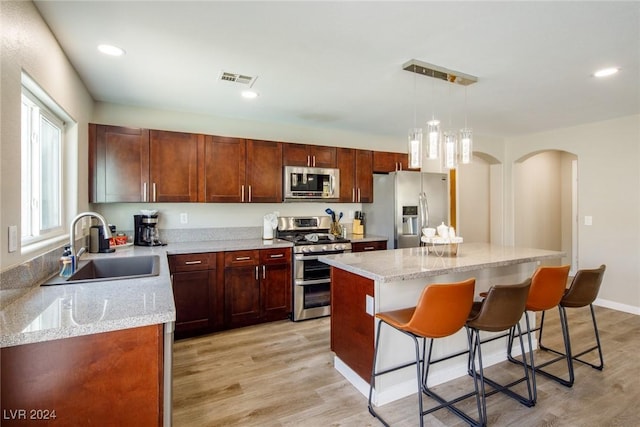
(43, 313)
(357, 238)
(415, 263)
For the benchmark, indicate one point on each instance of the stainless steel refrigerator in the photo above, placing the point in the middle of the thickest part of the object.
(403, 203)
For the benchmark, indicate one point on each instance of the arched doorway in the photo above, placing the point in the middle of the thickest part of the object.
(545, 202)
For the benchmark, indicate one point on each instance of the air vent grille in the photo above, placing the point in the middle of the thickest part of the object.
(237, 78)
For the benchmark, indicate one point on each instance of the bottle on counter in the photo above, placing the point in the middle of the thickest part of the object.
(66, 263)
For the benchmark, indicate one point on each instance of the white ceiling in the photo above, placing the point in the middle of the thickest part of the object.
(339, 64)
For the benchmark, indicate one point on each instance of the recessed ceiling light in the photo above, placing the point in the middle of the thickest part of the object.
(249, 94)
(108, 49)
(606, 72)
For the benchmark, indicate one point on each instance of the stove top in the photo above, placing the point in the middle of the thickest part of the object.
(311, 234)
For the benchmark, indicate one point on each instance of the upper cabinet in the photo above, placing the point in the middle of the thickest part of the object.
(316, 156)
(356, 175)
(242, 171)
(385, 162)
(118, 164)
(138, 165)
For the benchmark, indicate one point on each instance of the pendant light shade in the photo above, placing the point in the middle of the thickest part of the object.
(466, 146)
(433, 138)
(415, 148)
(450, 150)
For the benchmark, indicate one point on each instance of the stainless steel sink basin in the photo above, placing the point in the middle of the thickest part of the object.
(119, 268)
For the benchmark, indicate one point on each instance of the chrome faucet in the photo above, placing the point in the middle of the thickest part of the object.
(72, 234)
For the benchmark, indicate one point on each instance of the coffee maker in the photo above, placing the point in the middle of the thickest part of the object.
(145, 230)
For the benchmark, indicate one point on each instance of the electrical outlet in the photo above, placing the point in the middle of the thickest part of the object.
(588, 220)
(13, 238)
(184, 218)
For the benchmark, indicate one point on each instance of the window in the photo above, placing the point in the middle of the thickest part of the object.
(42, 136)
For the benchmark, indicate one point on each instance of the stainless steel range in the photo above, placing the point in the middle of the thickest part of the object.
(311, 278)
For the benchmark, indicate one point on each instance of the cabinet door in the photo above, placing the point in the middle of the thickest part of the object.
(364, 176)
(224, 160)
(275, 291)
(193, 293)
(118, 164)
(264, 171)
(295, 155)
(173, 166)
(346, 158)
(323, 157)
(242, 296)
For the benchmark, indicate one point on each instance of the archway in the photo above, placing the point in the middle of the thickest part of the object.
(545, 202)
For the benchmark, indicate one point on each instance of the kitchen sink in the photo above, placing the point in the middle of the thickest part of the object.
(119, 268)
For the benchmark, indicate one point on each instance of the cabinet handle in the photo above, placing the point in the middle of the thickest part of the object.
(155, 198)
(264, 272)
(358, 201)
(144, 192)
(256, 272)
(353, 195)
(276, 256)
(368, 248)
(249, 194)
(308, 160)
(314, 161)
(243, 258)
(242, 193)
(192, 262)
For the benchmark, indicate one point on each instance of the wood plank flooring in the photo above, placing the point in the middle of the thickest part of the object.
(281, 374)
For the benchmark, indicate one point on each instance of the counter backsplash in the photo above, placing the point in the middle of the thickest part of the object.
(43, 266)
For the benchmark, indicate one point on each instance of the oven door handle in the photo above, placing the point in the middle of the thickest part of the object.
(302, 282)
(302, 257)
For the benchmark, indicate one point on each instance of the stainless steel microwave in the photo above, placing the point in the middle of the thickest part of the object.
(304, 183)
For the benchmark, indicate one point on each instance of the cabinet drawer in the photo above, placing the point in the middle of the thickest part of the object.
(275, 256)
(192, 262)
(369, 246)
(241, 258)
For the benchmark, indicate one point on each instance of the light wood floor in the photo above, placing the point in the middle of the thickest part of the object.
(281, 374)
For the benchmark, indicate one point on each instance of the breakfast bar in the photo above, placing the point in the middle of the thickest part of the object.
(363, 284)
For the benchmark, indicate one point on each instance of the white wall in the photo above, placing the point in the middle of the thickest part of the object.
(608, 154)
(27, 44)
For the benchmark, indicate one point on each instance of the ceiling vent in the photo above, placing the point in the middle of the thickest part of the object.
(437, 72)
(237, 78)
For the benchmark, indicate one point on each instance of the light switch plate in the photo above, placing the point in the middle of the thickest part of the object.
(184, 218)
(369, 305)
(13, 238)
(588, 220)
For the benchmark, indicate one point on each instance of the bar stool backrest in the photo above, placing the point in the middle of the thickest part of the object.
(548, 285)
(502, 308)
(584, 287)
(442, 309)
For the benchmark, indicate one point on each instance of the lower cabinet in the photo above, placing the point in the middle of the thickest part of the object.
(380, 245)
(224, 290)
(197, 294)
(111, 378)
(257, 286)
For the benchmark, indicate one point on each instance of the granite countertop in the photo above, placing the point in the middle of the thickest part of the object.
(356, 238)
(415, 263)
(43, 313)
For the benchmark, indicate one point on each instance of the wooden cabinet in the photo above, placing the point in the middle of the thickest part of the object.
(385, 162)
(111, 378)
(138, 165)
(198, 298)
(317, 156)
(241, 171)
(257, 286)
(380, 245)
(118, 164)
(356, 175)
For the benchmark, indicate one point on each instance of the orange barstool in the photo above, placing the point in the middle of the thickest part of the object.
(501, 310)
(582, 292)
(548, 285)
(442, 310)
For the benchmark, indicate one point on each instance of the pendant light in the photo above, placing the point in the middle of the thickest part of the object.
(415, 136)
(466, 137)
(433, 127)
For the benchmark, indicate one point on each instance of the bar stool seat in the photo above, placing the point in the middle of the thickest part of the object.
(501, 310)
(441, 311)
(582, 293)
(548, 285)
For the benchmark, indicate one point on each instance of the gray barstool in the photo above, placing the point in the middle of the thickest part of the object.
(582, 292)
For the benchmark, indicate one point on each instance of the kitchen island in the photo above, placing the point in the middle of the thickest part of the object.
(363, 284)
